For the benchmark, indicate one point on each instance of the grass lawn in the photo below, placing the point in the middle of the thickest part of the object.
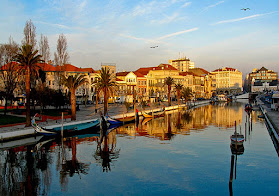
(5, 120)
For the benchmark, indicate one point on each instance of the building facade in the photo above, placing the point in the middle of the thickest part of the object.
(228, 80)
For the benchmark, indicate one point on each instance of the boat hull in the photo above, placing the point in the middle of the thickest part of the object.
(120, 121)
(238, 140)
(68, 129)
(154, 115)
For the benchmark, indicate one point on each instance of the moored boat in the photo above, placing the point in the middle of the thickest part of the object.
(154, 114)
(68, 128)
(237, 139)
(248, 108)
(120, 121)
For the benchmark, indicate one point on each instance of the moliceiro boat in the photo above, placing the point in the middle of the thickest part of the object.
(122, 120)
(237, 138)
(68, 128)
(154, 114)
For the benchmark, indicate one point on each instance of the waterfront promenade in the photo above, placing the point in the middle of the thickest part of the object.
(271, 117)
(85, 113)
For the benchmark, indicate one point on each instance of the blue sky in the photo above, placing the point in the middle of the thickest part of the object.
(212, 33)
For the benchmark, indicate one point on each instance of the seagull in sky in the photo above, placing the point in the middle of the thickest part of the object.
(245, 9)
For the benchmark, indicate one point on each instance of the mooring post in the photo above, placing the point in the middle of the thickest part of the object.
(62, 125)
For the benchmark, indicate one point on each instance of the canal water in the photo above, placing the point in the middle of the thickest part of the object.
(182, 153)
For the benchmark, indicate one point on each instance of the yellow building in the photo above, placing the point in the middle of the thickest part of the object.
(228, 80)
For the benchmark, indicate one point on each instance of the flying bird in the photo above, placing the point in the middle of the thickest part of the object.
(245, 9)
(154, 47)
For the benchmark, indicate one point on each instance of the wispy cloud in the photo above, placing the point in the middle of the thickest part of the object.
(53, 24)
(212, 5)
(160, 38)
(243, 18)
(136, 38)
(186, 4)
(167, 19)
(155, 6)
(177, 33)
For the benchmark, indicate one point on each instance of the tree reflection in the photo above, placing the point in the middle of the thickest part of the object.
(178, 122)
(21, 172)
(106, 151)
(72, 166)
(169, 134)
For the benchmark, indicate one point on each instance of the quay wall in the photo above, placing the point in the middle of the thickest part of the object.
(30, 132)
(270, 120)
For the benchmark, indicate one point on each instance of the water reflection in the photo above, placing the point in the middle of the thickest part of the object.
(182, 122)
(30, 170)
(106, 151)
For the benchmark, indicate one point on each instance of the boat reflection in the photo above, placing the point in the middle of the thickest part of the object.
(28, 170)
(235, 150)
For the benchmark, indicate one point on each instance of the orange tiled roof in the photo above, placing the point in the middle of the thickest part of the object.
(145, 70)
(124, 73)
(138, 74)
(46, 67)
(8, 66)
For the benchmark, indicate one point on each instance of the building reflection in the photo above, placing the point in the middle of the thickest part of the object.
(182, 122)
(27, 170)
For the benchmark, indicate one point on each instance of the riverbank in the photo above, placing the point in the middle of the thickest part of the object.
(85, 113)
(271, 117)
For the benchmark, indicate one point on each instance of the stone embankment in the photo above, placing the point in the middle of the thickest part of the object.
(271, 117)
(19, 132)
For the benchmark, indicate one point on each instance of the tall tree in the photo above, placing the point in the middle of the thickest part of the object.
(8, 51)
(72, 83)
(29, 34)
(44, 48)
(28, 60)
(178, 88)
(61, 56)
(186, 93)
(169, 82)
(8, 70)
(105, 84)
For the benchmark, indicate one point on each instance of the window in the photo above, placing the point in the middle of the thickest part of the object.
(49, 82)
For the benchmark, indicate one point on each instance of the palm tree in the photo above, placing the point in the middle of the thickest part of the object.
(186, 93)
(28, 59)
(72, 83)
(169, 81)
(178, 88)
(105, 84)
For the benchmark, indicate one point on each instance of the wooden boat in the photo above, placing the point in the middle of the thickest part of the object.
(68, 128)
(237, 138)
(120, 121)
(248, 108)
(154, 114)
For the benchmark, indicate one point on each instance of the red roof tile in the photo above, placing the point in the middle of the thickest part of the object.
(124, 73)
(138, 74)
